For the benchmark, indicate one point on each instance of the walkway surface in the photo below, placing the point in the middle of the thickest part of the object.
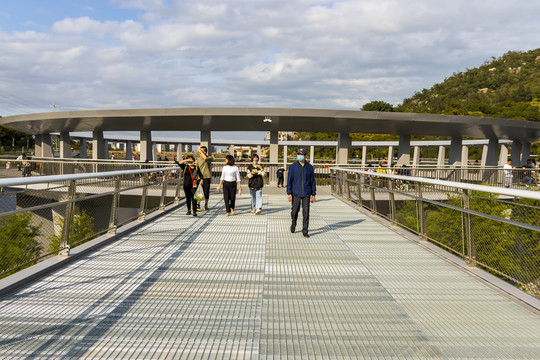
(244, 287)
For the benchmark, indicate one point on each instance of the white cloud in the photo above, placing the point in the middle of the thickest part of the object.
(299, 53)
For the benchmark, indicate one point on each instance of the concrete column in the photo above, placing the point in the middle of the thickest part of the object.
(404, 150)
(416, 156)
(342, 150)
(83, 150)
(464, 155)
(129, 150)
(525, 152)
(259, 151)
(98, 145)
(364, 155)
(231, 151)
(38, 152)
(285, 155)
(206, 140)
(454, 158)
(390, 156)
(312, 154)
(490, 152)
(274, 147)
(179, 152)
(442, 156)
(154, 151)
(516, 153)
(65, 145)
(146, 145)
(503, 154)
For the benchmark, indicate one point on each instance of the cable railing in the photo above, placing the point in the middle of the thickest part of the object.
(494, 228)
(44, 216)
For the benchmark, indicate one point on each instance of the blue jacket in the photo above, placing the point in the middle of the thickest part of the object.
(301, 180)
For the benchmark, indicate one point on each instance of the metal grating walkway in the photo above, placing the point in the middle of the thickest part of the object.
(244, 287)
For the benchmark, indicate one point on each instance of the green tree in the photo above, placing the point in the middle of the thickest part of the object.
(83, 228)
(18, 244)
(377, 106)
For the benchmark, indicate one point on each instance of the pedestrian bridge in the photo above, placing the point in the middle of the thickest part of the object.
(244, 287)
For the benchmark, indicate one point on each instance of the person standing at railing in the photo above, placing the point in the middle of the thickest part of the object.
(508, 175)
(301, 188)
(528, 174)
(230, 181)
(204, 162)
(192, 178)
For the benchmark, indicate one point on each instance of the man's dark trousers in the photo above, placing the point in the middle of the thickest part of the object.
(296, 202)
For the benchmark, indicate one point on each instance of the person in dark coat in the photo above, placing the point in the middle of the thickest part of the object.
(301, 189)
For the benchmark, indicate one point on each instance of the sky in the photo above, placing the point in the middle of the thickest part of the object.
(117, 54)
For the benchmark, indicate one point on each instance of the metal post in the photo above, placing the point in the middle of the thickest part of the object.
(163, 191)
(347, 185)
(113, 220)
(142, 209)
(373, 201)
(392, 204)
(470, 255)
(178, 187)
(359, 191)
(65, 242)
(420, 211)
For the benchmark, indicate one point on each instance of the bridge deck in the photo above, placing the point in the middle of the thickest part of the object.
(245, 287)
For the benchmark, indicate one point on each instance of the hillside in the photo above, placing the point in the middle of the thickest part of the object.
(507, 87)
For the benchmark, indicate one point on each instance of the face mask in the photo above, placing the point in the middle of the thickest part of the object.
(300, 158)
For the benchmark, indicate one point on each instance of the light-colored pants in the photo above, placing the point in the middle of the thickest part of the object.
(256, 199)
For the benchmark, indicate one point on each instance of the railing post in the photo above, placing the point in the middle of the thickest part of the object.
(142, 208)
(373, 200)
(393, 216)
(163, 190)
(359, 185)
(420, 211)
(347, 185)
(113, 220)
(178, 187)
(470, 257)
(65, 242)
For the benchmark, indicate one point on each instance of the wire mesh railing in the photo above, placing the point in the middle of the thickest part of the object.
(497, 229)
(45, 216)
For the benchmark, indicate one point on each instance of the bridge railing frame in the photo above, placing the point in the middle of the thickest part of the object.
(472, 212)
(45, 209)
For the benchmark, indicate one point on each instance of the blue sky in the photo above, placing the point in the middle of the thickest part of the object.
(340, 54)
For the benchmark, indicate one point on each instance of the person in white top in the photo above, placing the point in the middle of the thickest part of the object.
(508, 176)
(230, 181)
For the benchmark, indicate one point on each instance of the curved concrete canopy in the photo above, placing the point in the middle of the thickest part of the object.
(251, 119)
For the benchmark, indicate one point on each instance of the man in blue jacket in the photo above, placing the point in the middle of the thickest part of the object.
(301, 189)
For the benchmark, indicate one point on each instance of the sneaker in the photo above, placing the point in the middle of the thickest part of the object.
(205, 207)
(306, 236)
(194, 213)
(232, 211)
(258, 211)
(188, 213)
(227, 214)
(293, 229)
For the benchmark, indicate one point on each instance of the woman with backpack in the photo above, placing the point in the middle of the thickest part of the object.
(192, 178)
(255, 173)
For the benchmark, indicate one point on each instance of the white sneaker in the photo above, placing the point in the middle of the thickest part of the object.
(258, 211)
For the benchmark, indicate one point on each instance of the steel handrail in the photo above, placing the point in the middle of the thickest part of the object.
(465, 186)
(57, 178)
